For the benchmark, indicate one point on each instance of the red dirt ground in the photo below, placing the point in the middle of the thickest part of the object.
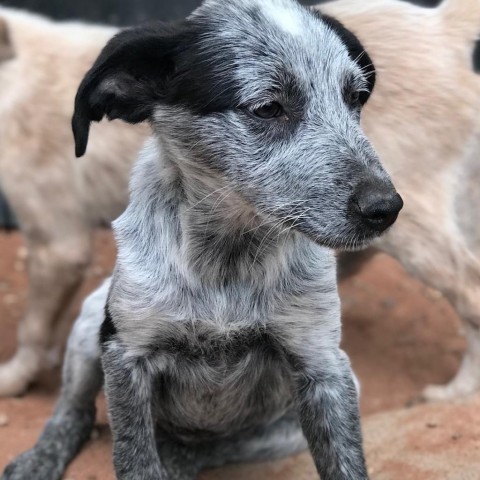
(400, 337)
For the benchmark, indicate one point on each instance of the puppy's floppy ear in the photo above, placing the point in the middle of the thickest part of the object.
(6, 48)
(128, 79)
(355, 50)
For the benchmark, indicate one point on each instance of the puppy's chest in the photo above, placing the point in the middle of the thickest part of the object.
(213, 384)
(211, 345)
(195, 323)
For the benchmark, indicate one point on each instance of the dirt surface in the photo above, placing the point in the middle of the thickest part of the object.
(400, 337)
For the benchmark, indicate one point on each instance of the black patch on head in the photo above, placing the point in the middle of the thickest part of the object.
(149, 65)
(202, 81)
(355, 50)
(125, 81)
(420, 3)
(108, 329)
(476, 57)
(425, 3)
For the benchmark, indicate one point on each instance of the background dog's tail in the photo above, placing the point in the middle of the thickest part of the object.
(464, 16)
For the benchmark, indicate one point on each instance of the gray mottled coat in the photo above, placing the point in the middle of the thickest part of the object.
(221, 336)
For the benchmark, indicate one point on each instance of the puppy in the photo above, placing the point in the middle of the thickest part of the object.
(57, 200)
(424, 121)
(435, 242)
(220, 341)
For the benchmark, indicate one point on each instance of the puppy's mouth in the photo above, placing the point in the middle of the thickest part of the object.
(356, 242)
(351, 236)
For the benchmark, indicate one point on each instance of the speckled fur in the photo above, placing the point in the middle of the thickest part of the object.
(221, 335)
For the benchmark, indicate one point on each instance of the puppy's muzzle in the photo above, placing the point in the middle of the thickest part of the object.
(378, 204)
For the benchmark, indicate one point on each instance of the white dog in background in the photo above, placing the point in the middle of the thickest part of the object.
(58, 199)
(424, 120)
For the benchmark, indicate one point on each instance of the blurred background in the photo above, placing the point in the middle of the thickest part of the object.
(115, 12)
(121, 12)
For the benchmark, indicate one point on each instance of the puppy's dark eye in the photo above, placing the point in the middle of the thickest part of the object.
(269, 110)
(352, 97)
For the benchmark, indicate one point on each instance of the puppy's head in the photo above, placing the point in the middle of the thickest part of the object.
(265, 95)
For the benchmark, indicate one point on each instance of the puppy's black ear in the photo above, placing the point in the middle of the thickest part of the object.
(355, 50)
(128, 79)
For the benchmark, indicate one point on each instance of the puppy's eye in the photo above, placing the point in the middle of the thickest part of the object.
(269, 110)
(352, 97)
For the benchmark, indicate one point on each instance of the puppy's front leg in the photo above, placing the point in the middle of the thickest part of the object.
(327, 403)
(328, 406)
(128, 385)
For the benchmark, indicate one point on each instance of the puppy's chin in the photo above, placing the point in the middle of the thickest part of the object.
(355, 245)
(349, 242)
(346, 244)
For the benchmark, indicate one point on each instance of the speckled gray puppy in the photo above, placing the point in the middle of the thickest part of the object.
(221, 337)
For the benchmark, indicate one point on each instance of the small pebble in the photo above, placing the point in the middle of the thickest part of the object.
(4, 420)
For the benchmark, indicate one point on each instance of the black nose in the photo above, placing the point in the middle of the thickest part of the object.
(379, 206)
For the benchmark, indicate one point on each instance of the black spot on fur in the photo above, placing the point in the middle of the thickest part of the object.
(144, 66)
(108, 329)
(420, 3)
(476, 57)
(425, 3)
(357, 53)
(214, 349)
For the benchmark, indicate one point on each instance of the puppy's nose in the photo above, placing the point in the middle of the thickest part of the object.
(379, 206)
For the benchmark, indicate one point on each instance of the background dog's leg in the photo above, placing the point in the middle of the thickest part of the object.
(467, 379)
(74, 415)
(56, 267)
(47, 201)
(429, 250)
(464, 294)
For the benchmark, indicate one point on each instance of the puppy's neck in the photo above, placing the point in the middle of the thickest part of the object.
(201, 225)
(223, 237)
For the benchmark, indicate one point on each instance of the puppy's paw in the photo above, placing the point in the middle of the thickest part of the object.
(33, 465)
